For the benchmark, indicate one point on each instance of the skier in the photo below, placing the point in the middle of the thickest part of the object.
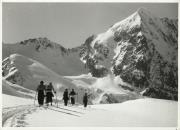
(65, 97)
(41, 93)
(85, 99)
(49, 94)
(72, 96)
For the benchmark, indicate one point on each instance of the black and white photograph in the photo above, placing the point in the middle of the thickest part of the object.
(91, 64)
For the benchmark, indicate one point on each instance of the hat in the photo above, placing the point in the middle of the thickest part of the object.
(41, 82)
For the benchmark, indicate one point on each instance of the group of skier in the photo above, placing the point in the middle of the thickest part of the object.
(48, 91)
(66, 96)
(45, 91)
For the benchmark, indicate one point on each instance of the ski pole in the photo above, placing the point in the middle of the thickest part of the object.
(35, 98)
(56, 100)
(77, 97)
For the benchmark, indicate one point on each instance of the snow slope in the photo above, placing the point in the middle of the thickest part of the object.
(14, 101)
(16, 90)
(14, 107)
(48, 53)
(27, 73)
(145, 112)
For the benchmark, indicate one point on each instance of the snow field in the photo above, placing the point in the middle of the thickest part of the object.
(145, 112)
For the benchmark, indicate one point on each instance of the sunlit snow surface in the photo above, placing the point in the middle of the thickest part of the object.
(28, 73)
(141, 112)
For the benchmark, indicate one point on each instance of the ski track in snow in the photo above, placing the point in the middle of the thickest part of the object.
(16, 116)
(146, 112)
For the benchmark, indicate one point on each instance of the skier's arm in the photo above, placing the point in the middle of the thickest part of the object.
(44, 90)
(89, 95)
(53, 89)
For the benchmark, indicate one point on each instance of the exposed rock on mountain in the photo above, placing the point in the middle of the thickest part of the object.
(142, 50)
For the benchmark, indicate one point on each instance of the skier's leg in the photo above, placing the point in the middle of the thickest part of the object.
(42, 101)
(47, 100)
(73, 101)
(51, 100)
(39, 102)
(66, 102)
(85, 104)
(47, 103)
(39, 99)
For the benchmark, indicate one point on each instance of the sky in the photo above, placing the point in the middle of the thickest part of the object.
(70, 24)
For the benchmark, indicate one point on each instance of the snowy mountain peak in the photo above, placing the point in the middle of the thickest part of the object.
(135, 20)
(142, 10)
(127, 23)
(139, 49)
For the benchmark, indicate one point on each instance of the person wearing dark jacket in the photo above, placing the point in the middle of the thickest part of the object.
(85, 99)
(72, 96)
(65, 97)
(41, 93)
(49, 93)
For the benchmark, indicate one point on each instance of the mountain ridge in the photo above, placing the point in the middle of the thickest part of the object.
(141, 49)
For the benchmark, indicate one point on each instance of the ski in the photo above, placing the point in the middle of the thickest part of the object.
(68, 109)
